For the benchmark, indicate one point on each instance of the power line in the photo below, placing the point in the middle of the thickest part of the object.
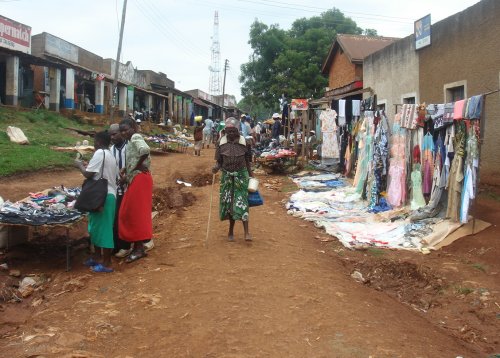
(168, 35)
(306, 7)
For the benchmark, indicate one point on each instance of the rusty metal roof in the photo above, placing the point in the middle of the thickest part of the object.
(356, 47)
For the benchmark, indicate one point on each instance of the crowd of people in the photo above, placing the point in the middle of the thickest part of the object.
(124, 224)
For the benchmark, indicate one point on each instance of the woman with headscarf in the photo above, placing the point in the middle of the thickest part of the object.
(134, 221)
(233, 156)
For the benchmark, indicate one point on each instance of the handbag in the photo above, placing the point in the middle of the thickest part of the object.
(94, 192)
(254, 199)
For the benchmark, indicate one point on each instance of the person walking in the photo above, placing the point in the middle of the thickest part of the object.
(198, 138)
(135, 224)
(233, 157)
(100, 224)
(207, 132)
(277, 127)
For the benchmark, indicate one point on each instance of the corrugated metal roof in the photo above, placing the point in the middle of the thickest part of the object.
(356, 47)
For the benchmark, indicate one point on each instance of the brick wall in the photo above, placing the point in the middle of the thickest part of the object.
(342, 71)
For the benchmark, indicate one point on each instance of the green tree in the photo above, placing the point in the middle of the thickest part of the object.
(290, 61)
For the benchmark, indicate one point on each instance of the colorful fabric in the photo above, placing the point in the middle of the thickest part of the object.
(136, 148)
(101, 224)
(135, 222)
(330, 142)
(233, 196)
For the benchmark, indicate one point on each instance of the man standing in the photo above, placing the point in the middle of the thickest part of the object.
(118, 149)
(277, 127)
(207, 132)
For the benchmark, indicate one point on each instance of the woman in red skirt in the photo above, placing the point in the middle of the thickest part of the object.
(134, 222)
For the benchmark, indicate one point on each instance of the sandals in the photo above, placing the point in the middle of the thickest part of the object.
(135, 255)
(101, 268)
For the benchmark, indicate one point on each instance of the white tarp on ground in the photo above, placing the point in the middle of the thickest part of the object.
(16, 135)
(343, 214)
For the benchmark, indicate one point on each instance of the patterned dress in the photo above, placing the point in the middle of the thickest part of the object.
(233, 158)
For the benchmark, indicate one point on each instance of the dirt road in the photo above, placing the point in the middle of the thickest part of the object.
(283, 295)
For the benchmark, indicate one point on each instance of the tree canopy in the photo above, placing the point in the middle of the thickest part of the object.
(289, 61)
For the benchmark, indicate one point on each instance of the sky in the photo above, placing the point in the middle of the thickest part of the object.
(175, 36)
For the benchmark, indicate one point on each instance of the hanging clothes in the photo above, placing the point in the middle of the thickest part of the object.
(356, 106)
(364, 147)
(379, 162)
(330, 143)
(427, 163)
(471, 165)
(342, 113)
(417, 199)
(455, 180)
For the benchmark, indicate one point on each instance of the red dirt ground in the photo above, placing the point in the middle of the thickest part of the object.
(286, 294)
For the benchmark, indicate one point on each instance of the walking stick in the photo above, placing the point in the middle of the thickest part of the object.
(210, 210)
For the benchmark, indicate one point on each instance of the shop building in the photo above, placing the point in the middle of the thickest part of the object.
(344, 63)
(462, 61)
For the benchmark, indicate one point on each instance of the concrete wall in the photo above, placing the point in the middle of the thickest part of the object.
(466, 47)
(342, 71)
(393, 73)
(90, 60)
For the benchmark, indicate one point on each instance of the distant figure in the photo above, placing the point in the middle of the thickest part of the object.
(277, 127)
(198, 138)
(89, 107)
(207, 132)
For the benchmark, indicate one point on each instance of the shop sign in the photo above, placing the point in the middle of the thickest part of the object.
(60, 48)
(299, 104)
(14, 35)
(422, 29)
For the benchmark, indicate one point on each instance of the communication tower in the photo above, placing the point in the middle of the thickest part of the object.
(214, 87)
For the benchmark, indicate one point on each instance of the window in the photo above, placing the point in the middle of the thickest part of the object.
(455, 91)
(409, 98)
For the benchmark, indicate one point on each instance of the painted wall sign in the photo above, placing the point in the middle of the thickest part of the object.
(299, 104)
(60, 48)
(14, 35)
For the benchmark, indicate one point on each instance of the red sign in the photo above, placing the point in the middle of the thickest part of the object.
(299, 104)
(14, 35)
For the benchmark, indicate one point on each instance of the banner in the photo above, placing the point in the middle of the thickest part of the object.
(14, 35)
(299, 104)
(422, 29)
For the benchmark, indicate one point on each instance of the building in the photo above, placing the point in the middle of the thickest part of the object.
(393, 75)
(344, 63)
(463, 60)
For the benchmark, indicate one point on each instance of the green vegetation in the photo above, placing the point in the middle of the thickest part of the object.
(463, 290)
(480, 267)
(43, 129)
(373, 251)
(290, 61)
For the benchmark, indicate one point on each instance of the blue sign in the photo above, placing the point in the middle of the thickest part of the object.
(423, 32)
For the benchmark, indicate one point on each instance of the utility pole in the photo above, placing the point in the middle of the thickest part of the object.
(226, 67)
(117, 64)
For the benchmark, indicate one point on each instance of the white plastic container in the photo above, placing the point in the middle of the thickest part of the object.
(253, 185)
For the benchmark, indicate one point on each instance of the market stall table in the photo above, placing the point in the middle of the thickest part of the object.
(49, 210)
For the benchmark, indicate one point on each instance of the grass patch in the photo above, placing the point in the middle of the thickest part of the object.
(375, 252)
(480, 267)
(462, 290)
(43, 129)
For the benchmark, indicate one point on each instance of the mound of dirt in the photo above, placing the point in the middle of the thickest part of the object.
(410, 283)
(171, 198)
(197, 180)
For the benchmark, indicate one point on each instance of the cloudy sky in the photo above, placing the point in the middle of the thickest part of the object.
(174, 36)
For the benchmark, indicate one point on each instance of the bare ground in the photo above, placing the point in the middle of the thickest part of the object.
(289, 293)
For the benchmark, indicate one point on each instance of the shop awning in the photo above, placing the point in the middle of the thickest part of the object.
(199, 102)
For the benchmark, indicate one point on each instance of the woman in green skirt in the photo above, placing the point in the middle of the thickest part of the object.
(233, 157)
(101, 222)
